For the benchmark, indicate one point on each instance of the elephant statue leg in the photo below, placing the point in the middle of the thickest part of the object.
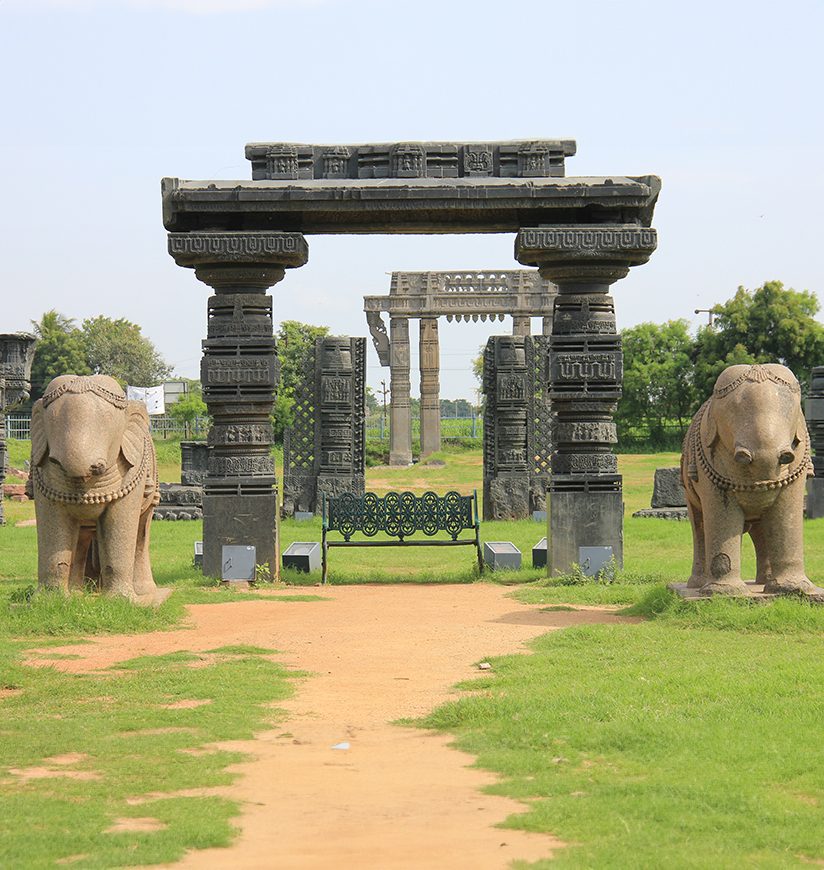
(785, 534)
(763, 562)
(723, 522)
(57, 535)
(117, 529)
(697, 578)
(144, 585)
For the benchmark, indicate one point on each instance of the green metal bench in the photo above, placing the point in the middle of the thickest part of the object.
(400, 515)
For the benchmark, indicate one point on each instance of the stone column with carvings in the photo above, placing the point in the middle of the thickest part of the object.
(521, 325)
(239, 373)
(16, 357)
(508, 386)
(584, 502)
(340, 400)
(400, 421)
(430, 359)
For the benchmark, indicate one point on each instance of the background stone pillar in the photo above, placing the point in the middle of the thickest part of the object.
(16, 357)
(400, 422)
(430, 360)
(340, 425)
(508, 386)
(521, 325)
(239, 373)
(584, 501)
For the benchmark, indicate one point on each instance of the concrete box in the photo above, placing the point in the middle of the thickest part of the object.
(198, 557)
(302, 556)
(539, 554)
(304, 516)
(539, 516)
(501, 554)
(238, 563)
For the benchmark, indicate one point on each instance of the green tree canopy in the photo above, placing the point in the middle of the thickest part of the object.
(295, 341)
(769, 324)
(119, 348)
(60, 350)
(658, 383)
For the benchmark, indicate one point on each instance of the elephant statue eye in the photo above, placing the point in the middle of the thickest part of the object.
(786, 457)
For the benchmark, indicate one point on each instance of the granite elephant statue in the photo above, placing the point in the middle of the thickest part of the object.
(94, 481)
(744, 466)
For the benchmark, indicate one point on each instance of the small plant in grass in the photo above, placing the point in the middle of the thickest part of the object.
(577, 576)
(263, 573)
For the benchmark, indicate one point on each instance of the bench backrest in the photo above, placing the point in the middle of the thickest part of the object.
(400, 514)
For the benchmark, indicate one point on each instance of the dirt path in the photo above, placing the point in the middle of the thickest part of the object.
(397, 797)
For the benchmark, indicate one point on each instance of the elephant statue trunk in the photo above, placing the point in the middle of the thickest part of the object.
(744, 465)
(94, 476)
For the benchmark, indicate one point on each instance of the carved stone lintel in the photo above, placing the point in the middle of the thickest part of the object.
(288, 250)
(380, 338)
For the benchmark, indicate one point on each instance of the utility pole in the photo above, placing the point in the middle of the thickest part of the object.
(709, 312)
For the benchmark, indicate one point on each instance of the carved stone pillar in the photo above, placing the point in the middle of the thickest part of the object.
(340, 377)
(508, 387)
(521, 325)
(239, 373)
(16, 357)
(430, 359)
(546, 324)
(400, 422)
(584, 502)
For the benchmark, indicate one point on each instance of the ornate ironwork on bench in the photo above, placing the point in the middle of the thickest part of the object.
(400, 515)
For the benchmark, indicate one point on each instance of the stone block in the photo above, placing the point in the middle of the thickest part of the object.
(502, 555)
(594, 560)
(302, 556)
(539, 554)
(668, 490)
(238, 519)
(304, 516)
(815, 499)
(583, 519)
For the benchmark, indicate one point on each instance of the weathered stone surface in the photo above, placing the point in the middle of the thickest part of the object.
(16, 357)
(517, 427)
(745, 462)
(670, 513)
(324, 448)
(668, 489)
(296, 161)
(814, 412)
(194, 462)
(94, 476)
(467, 204)
(179, 502)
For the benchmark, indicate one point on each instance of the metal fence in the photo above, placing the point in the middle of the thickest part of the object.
(18, 426)
(452, 428)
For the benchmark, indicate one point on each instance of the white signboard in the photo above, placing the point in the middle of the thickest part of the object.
(152, 398)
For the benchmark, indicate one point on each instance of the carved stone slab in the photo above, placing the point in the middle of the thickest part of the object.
(524, 159)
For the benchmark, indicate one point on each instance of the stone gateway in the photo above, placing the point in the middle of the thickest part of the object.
(582, 234)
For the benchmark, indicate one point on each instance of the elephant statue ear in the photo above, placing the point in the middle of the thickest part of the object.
(134, 438)
(710, 433)
(39, 443)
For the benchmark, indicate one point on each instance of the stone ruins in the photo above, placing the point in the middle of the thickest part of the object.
(456, 295)
(184, 500)
(517, 427)
(814, 412)
(669, 499)
(16, 357)
(324, 449)
(583, 234)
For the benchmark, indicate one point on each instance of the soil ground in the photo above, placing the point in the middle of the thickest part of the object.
(336, 784)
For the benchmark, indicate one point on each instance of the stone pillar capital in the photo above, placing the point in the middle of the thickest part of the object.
(591, 257)
(237, 262)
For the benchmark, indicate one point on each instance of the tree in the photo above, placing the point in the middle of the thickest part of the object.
(60, 350)
(118, 348)
(769, 324)
(658, 377)
(296, 341)
(189, 407)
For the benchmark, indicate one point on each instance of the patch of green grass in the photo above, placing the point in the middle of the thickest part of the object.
(125, 738)
(657, 745)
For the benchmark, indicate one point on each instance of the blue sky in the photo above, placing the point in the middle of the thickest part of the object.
(102, 99)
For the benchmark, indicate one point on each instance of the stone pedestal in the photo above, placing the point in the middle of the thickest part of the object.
(430, 361)
(239, 373)
(400, 421)
(585, 374)
(814, 412)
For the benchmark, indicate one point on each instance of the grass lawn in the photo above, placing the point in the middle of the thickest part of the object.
(689, 740)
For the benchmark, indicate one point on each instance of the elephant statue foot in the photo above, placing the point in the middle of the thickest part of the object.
(729, 588)
(795, 586)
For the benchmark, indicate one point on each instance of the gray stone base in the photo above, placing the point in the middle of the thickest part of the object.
(670, 513)
(814, 509)
(179, 502)
(507, 497)
(238, 519)
(583, 519)
(755, 592)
